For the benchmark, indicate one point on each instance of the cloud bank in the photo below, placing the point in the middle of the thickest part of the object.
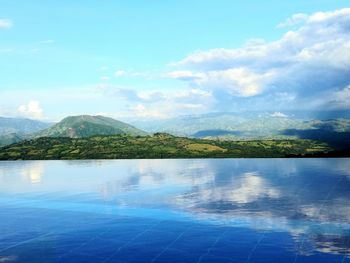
(308, 67)
(158, 104)
(31, 110)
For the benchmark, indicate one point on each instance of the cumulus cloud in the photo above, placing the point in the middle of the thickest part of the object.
(31, 110)
(239, 81)
(306, 63)
(248, 188)
(252, 187)
(5, 24)
(294, 20)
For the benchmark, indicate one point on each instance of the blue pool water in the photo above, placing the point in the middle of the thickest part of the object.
(208, 210)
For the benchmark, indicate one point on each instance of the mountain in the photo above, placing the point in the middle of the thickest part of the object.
(251, 125)
(21, 126)
(9, 138)
(258, 126)
(86, 126)
(227, 125)
(13, 130)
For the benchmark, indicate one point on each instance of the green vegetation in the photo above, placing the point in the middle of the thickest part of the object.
(160, 145)
(214, 136)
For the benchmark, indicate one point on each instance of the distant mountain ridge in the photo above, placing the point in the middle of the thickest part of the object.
(10, 138)
(242, 126)
(13, 130)
(223, 126)
(230, 125)
(86, 126)
(21, 125)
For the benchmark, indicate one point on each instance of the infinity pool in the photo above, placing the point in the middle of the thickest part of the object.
(207, 210)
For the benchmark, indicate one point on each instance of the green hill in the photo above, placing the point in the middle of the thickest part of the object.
(159, 145)
(87, 126)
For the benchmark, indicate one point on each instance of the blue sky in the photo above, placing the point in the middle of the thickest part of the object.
(159, 59)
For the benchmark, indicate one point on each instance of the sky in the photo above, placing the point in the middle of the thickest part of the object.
(159, 59)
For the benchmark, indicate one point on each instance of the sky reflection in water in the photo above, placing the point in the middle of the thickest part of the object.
(232, 210)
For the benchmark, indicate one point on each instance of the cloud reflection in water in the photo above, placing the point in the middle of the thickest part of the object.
(308, 198)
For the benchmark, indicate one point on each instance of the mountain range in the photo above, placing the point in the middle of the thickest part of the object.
(13, 130)
(21, 125)
(255, 126)
(223, 126)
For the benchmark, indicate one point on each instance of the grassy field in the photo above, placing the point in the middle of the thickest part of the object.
(156, 146)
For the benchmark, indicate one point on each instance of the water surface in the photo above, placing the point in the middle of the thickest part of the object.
(208, 210)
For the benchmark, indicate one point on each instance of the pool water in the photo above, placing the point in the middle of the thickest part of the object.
(199, 210)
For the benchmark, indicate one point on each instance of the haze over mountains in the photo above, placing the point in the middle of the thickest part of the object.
(21, 125)
(16, 129)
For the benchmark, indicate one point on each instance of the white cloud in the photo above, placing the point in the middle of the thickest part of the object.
(5, 24)
(142, 111)
(239, 81)
(340, 99)
(252, 187)
(294, 20)
(184, 75)
(120, 73)
(31, 110)
(278, 114)
(247, 188)
(304, 63)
